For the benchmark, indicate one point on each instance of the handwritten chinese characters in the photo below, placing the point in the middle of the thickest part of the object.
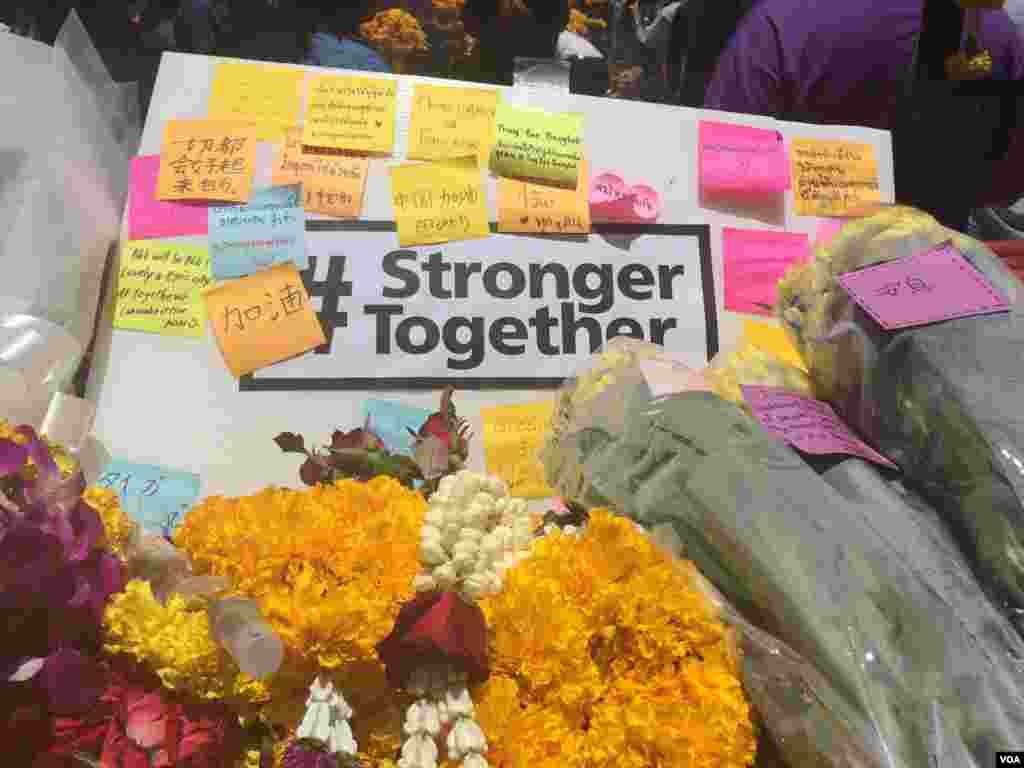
(207, 160)
(537, 208)
(263, 319)
(929, 287)
(739, 160)
(438, 202)
(513, 437)
(833, 178)
(159, 288)
(350, 112)
(451, 122)
(538, 146)
(332, 184)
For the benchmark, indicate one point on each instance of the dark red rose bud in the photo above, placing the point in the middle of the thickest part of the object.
(357, 439)
(434, 628)
(311, 472)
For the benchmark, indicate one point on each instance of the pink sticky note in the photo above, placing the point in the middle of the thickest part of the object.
(805, 423)
(149, 218)
(740, 160)
(646, 202)
(827, 230)
(938, 284)
(755, 260)
(606, 188)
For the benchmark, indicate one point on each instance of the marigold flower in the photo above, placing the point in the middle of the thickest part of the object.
(604, 654)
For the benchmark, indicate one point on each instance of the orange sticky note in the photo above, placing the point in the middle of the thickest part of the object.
(332, 184)
(540, 209)
(351, 112)
(262, 319)
(833, 178)
(207, 160)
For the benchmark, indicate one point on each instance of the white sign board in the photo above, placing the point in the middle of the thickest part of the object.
(491, 313)
(511, 317)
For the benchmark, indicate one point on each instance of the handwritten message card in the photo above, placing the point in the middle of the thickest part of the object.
(754, 261)
(207, 160)
(740, 160)
(262, 319)
(938, 284)
(537, 208)
(269, 229)
(513, 437)
(269, 97)
(451, 122)
(350, 112)
(157, 498)
(805, 423)
(391, 421)
(438, 202)
(538, 146)
(833, 178)
(331, 184)
(160, 286)
(149, 218)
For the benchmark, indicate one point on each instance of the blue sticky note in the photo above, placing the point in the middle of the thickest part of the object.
(392, 421)
(156, 497)
(270, 229)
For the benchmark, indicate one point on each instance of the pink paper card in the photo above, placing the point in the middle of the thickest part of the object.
(805, 423)
(612, 200)
(741, 160)
(755, 260)
(152, 219)
(929, 287)
(827, 230)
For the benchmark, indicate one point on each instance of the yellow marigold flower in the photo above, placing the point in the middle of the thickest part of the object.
(395, 30)
(449, 5)
(580, 23)
(174, 641)
(329, 566)
(605, 654)
(117, 525)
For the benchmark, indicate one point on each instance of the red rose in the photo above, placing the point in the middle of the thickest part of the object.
(358, 439)
(436, 627)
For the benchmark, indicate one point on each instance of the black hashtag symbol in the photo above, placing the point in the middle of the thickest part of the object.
(330, 290)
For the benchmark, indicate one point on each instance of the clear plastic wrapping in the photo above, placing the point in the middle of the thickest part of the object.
(942, 400)
(68, 133)
(857, 577)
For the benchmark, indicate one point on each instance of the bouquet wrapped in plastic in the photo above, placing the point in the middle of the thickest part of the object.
(859, 581)
(941, 400)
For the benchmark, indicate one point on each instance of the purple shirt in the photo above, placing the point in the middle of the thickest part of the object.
(841, 62)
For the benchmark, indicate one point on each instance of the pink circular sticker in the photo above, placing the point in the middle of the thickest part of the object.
(646, 202)
(606, 188)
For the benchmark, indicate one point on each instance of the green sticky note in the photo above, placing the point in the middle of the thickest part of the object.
(536, 145)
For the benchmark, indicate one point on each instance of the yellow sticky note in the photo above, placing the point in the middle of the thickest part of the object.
(536, 145)
(513, 437)
(262, 319)
(833, 178)
(451, 122)
(332, 184)
(351, 112)
(207, 160)
(269, 97)
(439, 202)
(160, 286)
(537, 208)
(773, 340)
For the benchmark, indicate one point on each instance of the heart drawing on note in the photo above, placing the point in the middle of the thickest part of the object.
(524, 220)
(379, 123)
